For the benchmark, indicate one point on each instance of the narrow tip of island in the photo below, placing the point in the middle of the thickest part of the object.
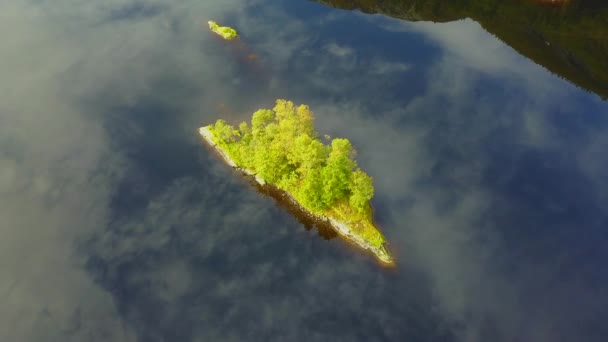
(279, 148)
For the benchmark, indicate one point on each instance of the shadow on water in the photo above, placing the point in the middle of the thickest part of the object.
(324, 229)
(310, 222)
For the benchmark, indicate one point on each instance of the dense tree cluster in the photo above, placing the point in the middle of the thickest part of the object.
(281, 146)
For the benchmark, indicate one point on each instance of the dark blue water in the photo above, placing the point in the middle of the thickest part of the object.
(117, 224)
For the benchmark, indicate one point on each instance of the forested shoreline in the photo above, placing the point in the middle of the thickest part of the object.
(569, 40)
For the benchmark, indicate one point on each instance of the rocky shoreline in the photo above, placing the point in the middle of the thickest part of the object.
(342, 228)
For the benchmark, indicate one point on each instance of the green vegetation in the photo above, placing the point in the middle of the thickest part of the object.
(570, 40)
(281, 147)
(226, 32)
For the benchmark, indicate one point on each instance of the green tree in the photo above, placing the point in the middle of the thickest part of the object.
(306, 121)
(362, 191)
(245, 130)
(284, 110)
(224, 132)
(336, 173)
(261, 118)
(310, 192)
(308, 154)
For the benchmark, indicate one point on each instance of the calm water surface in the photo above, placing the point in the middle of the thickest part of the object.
(118, 225)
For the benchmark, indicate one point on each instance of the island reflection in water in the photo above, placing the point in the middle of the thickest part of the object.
(323, 227)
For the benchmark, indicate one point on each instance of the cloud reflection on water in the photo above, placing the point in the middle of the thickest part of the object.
(94, 92)
(440, 153)
(61, 62)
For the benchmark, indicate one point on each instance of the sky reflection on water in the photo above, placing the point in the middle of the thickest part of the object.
(118, 225)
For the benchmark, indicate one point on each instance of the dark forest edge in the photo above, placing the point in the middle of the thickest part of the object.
(570, 40)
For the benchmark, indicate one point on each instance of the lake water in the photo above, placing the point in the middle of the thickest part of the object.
(117, 224)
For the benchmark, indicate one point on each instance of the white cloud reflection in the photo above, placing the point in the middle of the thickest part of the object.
(450, 229)
(58, 165)
(60, 168)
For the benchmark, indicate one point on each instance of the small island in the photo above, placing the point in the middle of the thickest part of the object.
(225, 32)
(280, 149)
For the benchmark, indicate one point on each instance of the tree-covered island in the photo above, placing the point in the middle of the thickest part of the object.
(225, 32)
(281, 148)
